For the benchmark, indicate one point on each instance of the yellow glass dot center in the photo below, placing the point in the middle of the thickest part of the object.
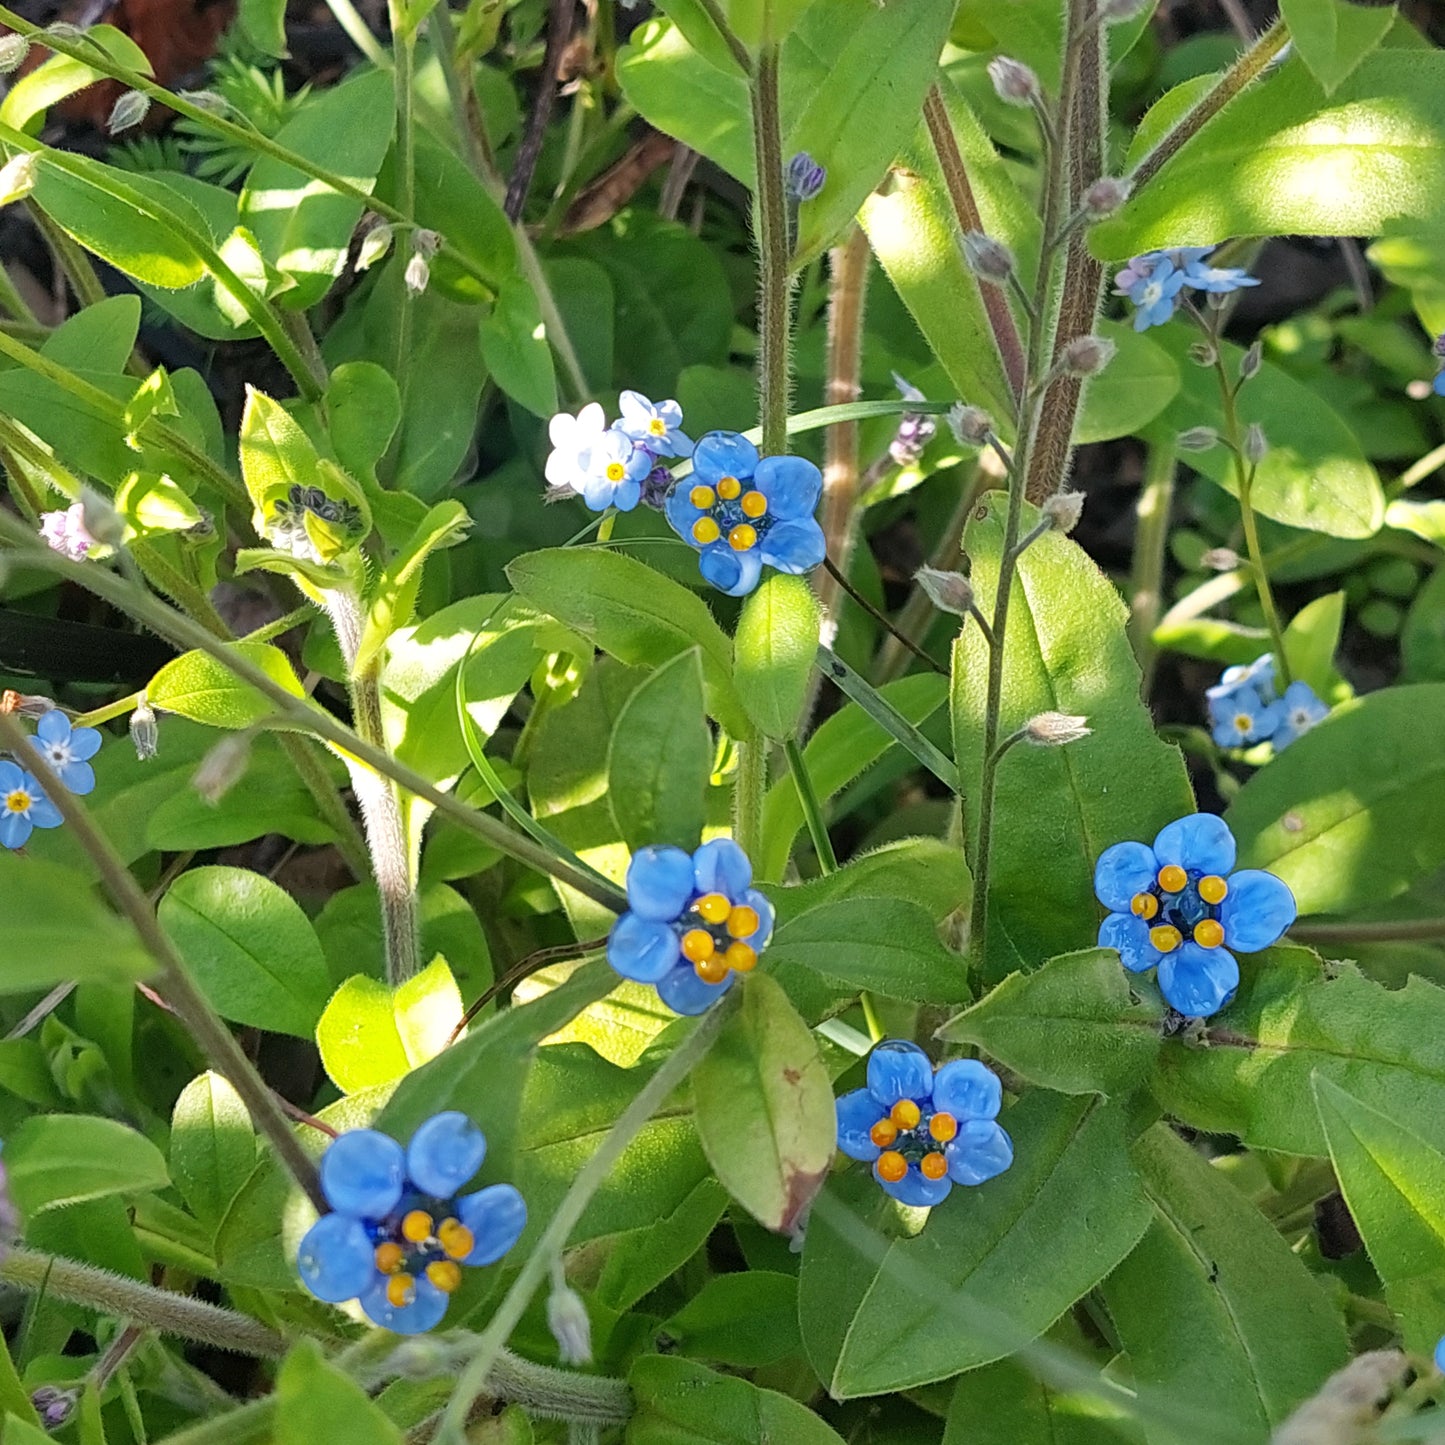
(456, 1239)
(400, 1291)
(697, 945)
(389, 1256)
(1172, 878)
(741, 958)
(714, 907)
(754, 504)
(702, 498)
(1213, 888)
(1144, 905)
(933, 1166)
(1166, 938)
(1208, 933)
(742, 537)
(906, 1114)
(712, 969)
(445, 1274)
(615, 471)
(883, 1133)
(18, 801)
(891, 1166)
(743, 922)
(943, 1127)
(417, 1226)
(705, 531)
(728, 488)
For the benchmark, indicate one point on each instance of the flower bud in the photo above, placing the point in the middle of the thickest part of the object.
(374, 245)
(1203, 353)
(54, 1405)
(13, 50)
(209, 101)
(1114, 12)
(948, 591)
(1015, 82)
(101, 519)
(567, 1319)
(1439, 347)
(915, 429)
(655, 487)
(64, 30)
(129, 110)
(144, 731)
(17, 176)
(988, 259)
(1251, 361)
(1197, 439)
(1104, 198)
(26, 704)
(1220, 559)
(1256, 444)
(1063, 510)
(223, 767)
(417, 275)
(972, 425)
(426, 243)
(1087, 355)
(804, 177)
(1056, 729)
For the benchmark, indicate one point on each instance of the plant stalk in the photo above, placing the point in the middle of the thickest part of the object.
(770, 234)
(812, 808)
(1151, 535)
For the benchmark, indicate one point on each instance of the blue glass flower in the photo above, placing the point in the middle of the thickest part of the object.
(1177, 906)
(654, 425)
(1300, 710)
(23, 806)
(400, 1231)
(1438, 385)
(68, 750)
(741, 512)
(694, 923)
(924, 1131)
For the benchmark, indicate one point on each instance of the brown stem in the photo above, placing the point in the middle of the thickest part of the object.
(559, 32)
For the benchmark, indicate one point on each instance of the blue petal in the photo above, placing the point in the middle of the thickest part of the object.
(1256, 911)
(792, 486)
(680, 443)
(78, 777)
(627, 495)
(758, 902)
(720, 866)
(422, 1314)
(659, 883)
(1438, 385)
(967, 1089)
(721, 454)
(1440, 1345)
(335, 1259)
(794, 547)
(685, 993)
(43, 813)
(496, 1216)
(914, 1189)
(11, 777)
(15, 828)
(54, 727)
(1198, 981)
(898, 1070)
(1200, 842)
(362, 1173)
(1121, 872)
(444, 1153)
(597, 492)
(858, 1112)
(735, 573)
(642, 949)
(980, 1151)
(1129, 934)
(680, 512)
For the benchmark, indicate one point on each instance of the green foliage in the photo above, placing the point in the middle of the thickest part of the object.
(773, 651)
(54, 1160)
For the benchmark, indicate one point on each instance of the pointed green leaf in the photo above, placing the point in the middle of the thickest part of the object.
(515, 349)
(52, 1160)
(773, 651)
(1333, 37)
(316, 1400)
(199, 687)
(213, 1146)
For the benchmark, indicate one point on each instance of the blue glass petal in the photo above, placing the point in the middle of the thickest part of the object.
(444, 1153)
(858, 1112)
(735, 573)
(685, 993)
(54, 727)
(496, 1216)
(15, 828)
(43, 813)
(1130, 935)
(720, 866)
(659, 883)
(1198, 981)
(721, 454)
(422, 1314)
(680, 512)
(758, 902)
(914, 1189)
(78, 777)
(1200, 842)
(642, 949)
(794, 547)
(792, 486)
(980, 1151)
(1121, 872)
(11, 776)
(335, 1259)
(1256, 911)
(898, 1070)
(362, 1173)
(967, 1089)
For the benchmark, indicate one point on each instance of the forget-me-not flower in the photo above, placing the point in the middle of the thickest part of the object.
(654, 425)
(572, 437)
(400, 1231)
(23, 806)
(1178, 907)
(67, 749)
(1154, 280)
(693, 923)
(924, 1131)
(1300, 709)
(611, 472)
(741, 511)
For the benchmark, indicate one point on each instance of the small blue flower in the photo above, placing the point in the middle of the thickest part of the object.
(1256, 679)
(23, 806)
(924, 1131)
(741, 512)
(1153, 285)
(1177, 906)
(400, 1232)
(804, 177)
(1241, 719)
(1438, 385)
(654, 425)
(68, 750)
(1300, 710)
(1217, 279)
(612, 471)
(693, 925)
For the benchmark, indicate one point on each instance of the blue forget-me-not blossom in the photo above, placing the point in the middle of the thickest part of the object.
(1154, 281)
(1245, 709)
(741, 511)
(607, 465)
(1178, 906)
(23, 806)
(655, 426)
(923, 1130)
(68, 750)
(694, 922)
(400, 1231)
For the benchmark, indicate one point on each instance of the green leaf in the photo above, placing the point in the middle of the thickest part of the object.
(316, 1400)
(1131, 391)
(1007, 1404)
(264, 25)
(363, 408)
(1311, 639)
(1426, 519)
(56, 929)
(302, 226)
(213, 1146)
(60, 76)
(452, 201)
(763, 22)
(1059, 808)
(885, 1306)
(1332, 37)
(1211, 1268)
(660, 758)
(250, 948)
(746, 1319)
(633, 612)
(52, 1160)
(773, 651)
(1317, 815)
(99, 338)
(515, 349)
(199, 687)
(1394, 1184)
(680, 1403)
(764, 1107)
(1070, 1025)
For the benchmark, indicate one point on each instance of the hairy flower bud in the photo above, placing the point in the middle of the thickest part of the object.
(1220, 559)
(1251, 361)
(417, 275)
(223, 767)
(129, 110)
(915, 429)
(1104, 198)
(1197, 439)
(1056, 729)
(64, 30)
(13, 50)
(101, 519)
(54, 1405)
(1014, 81)
(1063, 510)
(1203, 353)
(17, 176)
(144, 732)
(426, 243)
(988, 259)
(374, 245)
(1088, 355)
(210, 101)
(567, 1319)
(1256, 444)
(972, 425)
(948, 591)
(804, 177)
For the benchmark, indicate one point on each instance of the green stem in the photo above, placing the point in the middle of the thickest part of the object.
(14, 302)
(1387, 930)
(770, 232)
(674, 1069)
(403, 78)
(359, 33)
(329, 803)
(1151, 535)
(462, 94)
(812, 809)
(750, 786)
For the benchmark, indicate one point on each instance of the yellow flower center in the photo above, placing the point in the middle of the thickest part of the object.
(891, 1166)
(1213, 888)
(705, 531)
(742, 922)
(883, 1133)
(702, 498)
(417, 1226)
(657, 427)
(740, 958)
(389, 1257)
(729, 488)
(1144, 905)
(933, 1166)
(400, 1291)
(445, 1274)
(18, 801)
(754, 504)
(698, 945)
(943, 1127)
(455, 1239)
(906, 1114)
(713, 907)
(1242, 722)
(712, 969)
(615, 471)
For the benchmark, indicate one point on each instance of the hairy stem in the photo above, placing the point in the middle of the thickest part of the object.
(1146, 585)
(770, 234)
(750, 785)
(404, 87)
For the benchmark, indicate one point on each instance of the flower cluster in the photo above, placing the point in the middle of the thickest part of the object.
(1178, 907)
(607, 465)
(924, 1131)
(692, 925)
(23, 804)
(1244, 708)
(286, 526)
(400, 1232)
(1153, 281)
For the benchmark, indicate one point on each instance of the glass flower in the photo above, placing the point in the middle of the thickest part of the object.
(1300, 709)
(923, 1130)
(693, 924)
(741, 511)
(68, 750)
(65, 532)
(400, 1232)
(1440, 1354)
(23, 806)
(611, 471)
(1178, 907)
(654, 425)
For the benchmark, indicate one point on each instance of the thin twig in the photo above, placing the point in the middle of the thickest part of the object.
(880, 618)
(559, 32)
